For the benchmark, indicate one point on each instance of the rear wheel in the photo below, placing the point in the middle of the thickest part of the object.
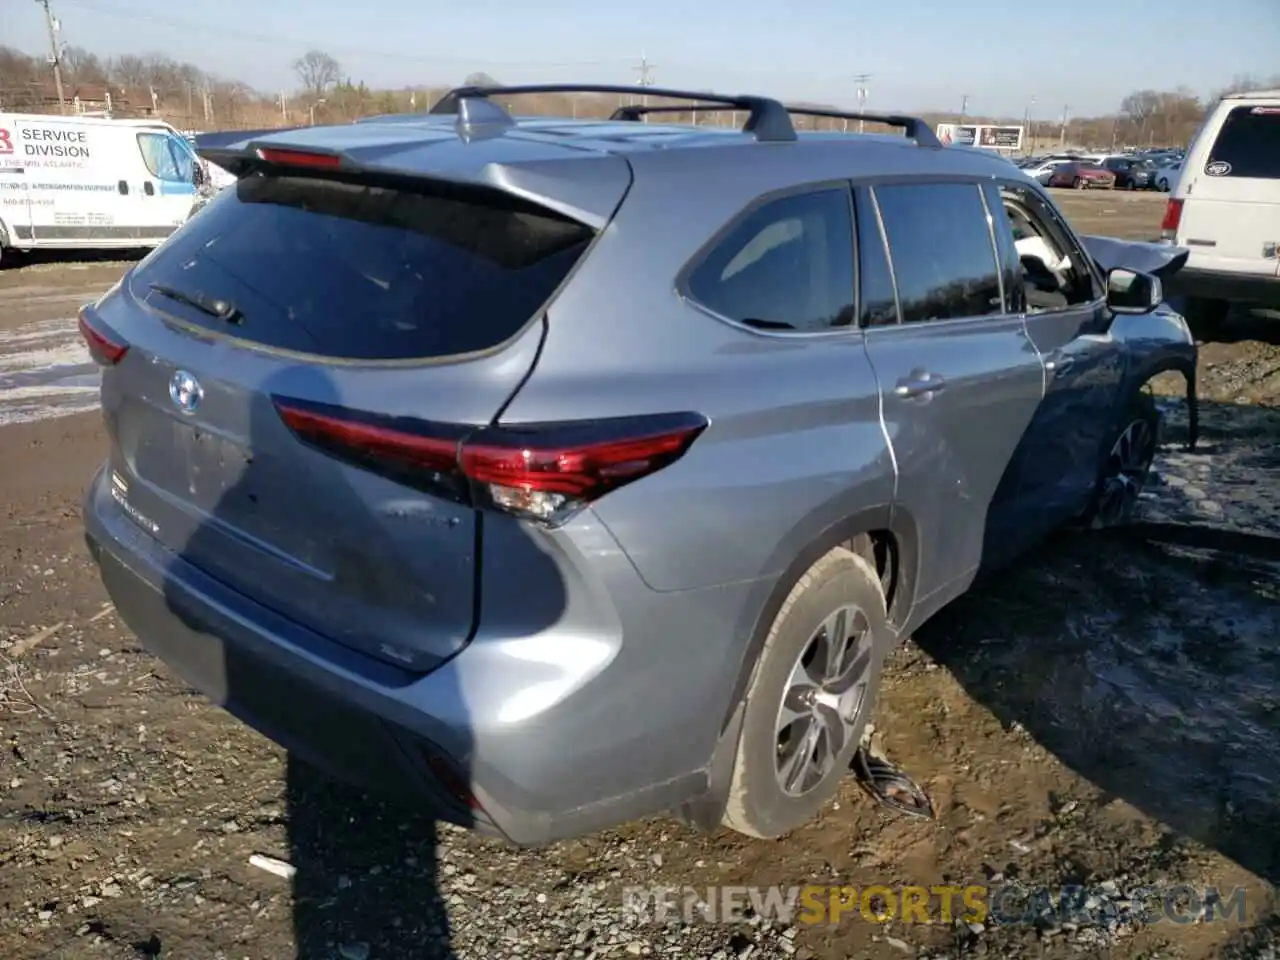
(811, 696)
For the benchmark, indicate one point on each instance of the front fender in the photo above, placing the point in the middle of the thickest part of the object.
(1159, 342)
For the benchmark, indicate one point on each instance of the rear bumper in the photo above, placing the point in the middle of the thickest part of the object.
(540, 771)
(1231, 287)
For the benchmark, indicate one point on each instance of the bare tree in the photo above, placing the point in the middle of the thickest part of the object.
(318, 72)
(479, 79)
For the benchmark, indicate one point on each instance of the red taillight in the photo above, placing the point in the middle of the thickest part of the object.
(103, 347)
(300, 158)
(1172, 217)
(452, 781)
(543, 472)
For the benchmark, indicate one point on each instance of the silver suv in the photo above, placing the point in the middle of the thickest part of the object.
(559, 472)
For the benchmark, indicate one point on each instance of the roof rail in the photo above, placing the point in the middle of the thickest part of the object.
(915, 128)
(767, 118)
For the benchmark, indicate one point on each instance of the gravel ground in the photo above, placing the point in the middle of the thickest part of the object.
(1106, 715)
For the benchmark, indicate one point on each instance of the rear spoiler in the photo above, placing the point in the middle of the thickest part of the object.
(1158, 259)
(229, 149)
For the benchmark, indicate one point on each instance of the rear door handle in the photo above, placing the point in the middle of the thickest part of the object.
(919, 386)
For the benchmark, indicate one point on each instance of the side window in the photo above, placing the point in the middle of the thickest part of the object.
(786, 266)
(878, 306)
(1052, 269)
(159, 157)
(941, 249)
(1248, 144)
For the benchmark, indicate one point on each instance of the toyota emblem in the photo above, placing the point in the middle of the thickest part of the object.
(185, 392)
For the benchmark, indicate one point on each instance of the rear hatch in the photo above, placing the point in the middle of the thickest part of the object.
(324, 291)
(1230, 218)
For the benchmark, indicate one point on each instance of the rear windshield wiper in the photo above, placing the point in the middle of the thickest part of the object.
(222, 310)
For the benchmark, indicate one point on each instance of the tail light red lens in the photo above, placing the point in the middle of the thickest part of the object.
(543, 472)
(106, 348)
(1172, 217)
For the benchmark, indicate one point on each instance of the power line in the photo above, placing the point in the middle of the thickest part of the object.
(295, 42)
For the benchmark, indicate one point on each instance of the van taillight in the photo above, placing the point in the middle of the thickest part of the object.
(542, 472)
(106, 348)
(1172, 217)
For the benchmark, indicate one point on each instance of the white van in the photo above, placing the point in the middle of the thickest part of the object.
(1225, 210)
(82, 182)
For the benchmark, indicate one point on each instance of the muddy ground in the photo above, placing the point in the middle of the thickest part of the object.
(1108, 714)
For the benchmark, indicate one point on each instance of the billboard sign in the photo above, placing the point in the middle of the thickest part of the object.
(985, 136)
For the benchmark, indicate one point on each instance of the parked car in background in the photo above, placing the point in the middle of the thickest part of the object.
(1166, 173)
(1132, 173)
(1082, 175)
(1042, 169)
(1225, 208)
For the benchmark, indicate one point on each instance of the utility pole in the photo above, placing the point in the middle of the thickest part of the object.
(1026, 127)
(1062, 133)
(862, 80)
(54, 56)
(964, 107)
(646, 79)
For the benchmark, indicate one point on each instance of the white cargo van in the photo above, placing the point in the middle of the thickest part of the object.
(1225, 210)
(81, 182)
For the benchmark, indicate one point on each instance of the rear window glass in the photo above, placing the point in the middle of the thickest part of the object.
(1249, 144)
(360, 271)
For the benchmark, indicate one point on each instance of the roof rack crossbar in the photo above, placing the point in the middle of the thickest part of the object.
(766, 118)
(914, 127)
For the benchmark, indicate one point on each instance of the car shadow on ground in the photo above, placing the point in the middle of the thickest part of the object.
(16, 259)
(367, 880)
(1145, 657)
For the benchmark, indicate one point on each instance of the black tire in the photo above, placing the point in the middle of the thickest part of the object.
(757, 804)
(1206, 317)
(1078, 183)
(1105, 511)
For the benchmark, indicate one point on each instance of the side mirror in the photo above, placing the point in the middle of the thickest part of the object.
(197, 175)
(1131, 292)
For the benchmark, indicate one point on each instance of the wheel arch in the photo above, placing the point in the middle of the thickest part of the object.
(885, 535)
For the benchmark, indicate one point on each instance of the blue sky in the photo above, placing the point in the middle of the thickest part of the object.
(922, 54)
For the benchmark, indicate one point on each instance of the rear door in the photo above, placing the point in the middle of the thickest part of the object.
(418, 303)
(959, 380)
(1231, 212)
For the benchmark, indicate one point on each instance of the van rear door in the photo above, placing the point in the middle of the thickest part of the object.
(1231, 213)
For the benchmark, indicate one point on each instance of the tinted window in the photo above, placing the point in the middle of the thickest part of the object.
(786, 266)
(366, 272)
(941, 249)
(1250, 142)
(875, 282)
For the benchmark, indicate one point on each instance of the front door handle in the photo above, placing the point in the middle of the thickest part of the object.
(924, 384)
(1059, 365)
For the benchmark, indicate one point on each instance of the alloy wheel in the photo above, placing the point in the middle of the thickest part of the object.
(823, 701)
(1126, 472)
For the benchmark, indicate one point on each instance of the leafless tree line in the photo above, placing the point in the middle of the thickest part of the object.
(192, 98)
